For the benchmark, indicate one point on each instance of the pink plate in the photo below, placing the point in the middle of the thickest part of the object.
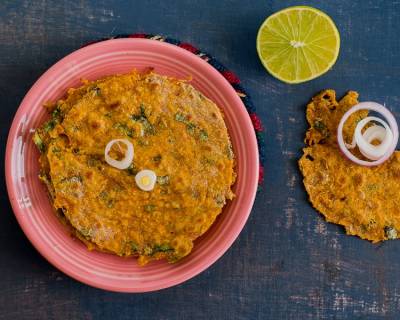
(29, 198)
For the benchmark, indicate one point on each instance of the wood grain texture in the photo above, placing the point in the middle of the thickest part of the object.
(287, 263)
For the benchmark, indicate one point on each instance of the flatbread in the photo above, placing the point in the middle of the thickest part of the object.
(364, 200)
(176, 132)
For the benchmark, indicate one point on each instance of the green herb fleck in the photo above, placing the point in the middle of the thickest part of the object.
(390, 232)
(203, 135)
(149, 207)
(110, 203)
(195, 194)
(148, 127)
(57, 113)
(92, 161)
(372, 187)
(319, 125)
(86, 232)
(191, 127)
(132, 170)
(122, 127)
(208, 161)
(162, 248)
(39, 142)
(148, 251)
(134, 247)
(229, 152)
(96, 91)
(220, 200)
(180, 117)
(141, 115)
(157, 158)
(105, 197)
(142, 142)
(56, 150)
(142, 118)
(72, 179)
(49, 125)
(163, 180)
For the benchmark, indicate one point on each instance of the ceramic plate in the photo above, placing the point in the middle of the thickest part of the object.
(29, 198)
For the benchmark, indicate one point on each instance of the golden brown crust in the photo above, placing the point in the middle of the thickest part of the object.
(364, 200)
(176, 132)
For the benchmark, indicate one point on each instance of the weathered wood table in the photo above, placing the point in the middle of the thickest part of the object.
(288, 263)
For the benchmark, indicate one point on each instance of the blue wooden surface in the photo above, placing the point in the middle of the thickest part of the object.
(287, 263)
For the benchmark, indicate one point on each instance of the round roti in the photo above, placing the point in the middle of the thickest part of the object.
(364, 200)
(176, 132)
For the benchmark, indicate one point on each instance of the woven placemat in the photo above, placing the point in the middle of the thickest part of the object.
(228, 75)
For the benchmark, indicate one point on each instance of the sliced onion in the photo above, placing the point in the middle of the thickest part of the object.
(375, 132)
(387, 134)
(126, 161)
(369, 150)
(150, 177)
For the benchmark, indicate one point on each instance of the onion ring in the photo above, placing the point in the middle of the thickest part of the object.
(126, 161)
(151, 177)
(389, 138)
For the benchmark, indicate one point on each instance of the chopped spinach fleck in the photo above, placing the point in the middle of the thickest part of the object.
(162, 248)
(148, 251)
(203, 135)
(110, 203)
(134, 247)
(86, 232)
(49, 125)
(122, 127)
(208, 161)
(390, 232)
(220, 200)
(39, 142)
(163, 180)
(191, 127)
(149, 207)
(372, 187)
(319, 125)
(195, 194)
(92, 161)
(105, 197)
(142, 142)
(96, 91)
(157, 158)
(132, 170)
(72, 179)
(142, 118)
(57, 113)
(56, 150)
(180, 117)
(142, 110)
(148, 127)
(141, 115)
(229, 152)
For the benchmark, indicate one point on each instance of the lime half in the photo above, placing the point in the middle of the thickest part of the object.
(298, 44)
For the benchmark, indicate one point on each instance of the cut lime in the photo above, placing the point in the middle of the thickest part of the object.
(298, 44)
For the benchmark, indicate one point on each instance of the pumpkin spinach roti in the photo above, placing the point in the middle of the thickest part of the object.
(362, 199)
(137, 164)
